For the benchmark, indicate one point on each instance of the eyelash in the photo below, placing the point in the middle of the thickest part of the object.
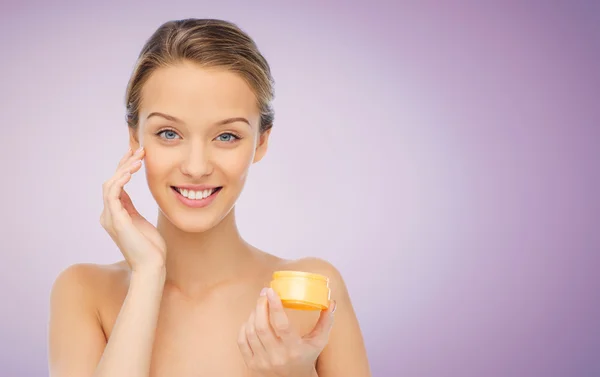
(166, 130)
(235, 136)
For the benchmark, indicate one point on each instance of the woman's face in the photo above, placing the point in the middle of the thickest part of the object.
(200, 130)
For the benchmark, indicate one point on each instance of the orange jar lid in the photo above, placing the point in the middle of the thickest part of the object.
(302, 290)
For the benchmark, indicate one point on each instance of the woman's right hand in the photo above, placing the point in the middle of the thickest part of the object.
(139, 240)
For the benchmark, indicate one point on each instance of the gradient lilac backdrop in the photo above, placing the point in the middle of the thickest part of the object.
(445, 156)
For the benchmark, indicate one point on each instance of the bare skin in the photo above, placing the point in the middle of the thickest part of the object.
(185, 299)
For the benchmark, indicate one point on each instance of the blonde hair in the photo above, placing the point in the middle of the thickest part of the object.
(209, 43)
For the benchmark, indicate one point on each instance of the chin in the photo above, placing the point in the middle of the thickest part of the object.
(194, 224)
(198, 222)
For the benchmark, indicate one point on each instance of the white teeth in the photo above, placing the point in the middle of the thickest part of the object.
(196, 194)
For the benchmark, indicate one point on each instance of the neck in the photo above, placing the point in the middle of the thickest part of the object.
(196, 261)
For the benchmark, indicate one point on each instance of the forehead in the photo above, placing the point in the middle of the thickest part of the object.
(197, 93)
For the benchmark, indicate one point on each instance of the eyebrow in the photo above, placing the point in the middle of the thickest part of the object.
(179, 121)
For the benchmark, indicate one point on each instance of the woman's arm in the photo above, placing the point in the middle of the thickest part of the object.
(77, 345)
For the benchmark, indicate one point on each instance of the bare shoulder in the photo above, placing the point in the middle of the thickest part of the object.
(91, 274)
(310, 264)
(88, 281)
(75, 326)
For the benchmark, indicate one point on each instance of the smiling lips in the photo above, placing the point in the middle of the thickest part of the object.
(196, 196)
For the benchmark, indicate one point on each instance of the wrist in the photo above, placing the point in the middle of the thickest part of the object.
(148, 274)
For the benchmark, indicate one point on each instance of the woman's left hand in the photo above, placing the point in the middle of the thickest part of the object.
(271, 348)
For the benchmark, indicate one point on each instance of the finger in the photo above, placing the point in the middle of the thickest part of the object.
(324, 325)
(130, 156)
(279, 319)
(244, 346)
(265, 333)
(128, 204)
(258, 350)
(106, 193)
(117, 212)
(106, 217)
(124, 197)
(130, 168)
(125, 157)
(135, 165)
(132, 163)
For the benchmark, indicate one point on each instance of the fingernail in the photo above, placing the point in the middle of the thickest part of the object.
(334, 307)
(139, 149)
(271, 293)
(263, 292)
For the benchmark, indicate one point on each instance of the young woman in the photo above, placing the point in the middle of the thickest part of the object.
(189, 299)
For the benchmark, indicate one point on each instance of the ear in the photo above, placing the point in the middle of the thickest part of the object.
(261, 147)
(134, 142)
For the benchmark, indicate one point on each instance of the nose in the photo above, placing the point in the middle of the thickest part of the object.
(196, 161)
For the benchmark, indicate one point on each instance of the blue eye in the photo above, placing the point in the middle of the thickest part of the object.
(168, 134)
(227, 137)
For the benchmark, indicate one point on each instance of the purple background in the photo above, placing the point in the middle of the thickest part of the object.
(444, 156)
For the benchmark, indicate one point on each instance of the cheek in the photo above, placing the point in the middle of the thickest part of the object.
(236, 163)
(156, 164)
